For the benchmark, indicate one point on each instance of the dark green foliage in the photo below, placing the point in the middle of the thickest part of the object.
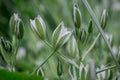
(5, 75)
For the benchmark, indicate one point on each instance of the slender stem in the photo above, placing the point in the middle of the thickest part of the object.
(91, 47)
(62, 56)
(101, 31)
(110, 67)
(86, 40)
(78, 44)
(15, 53)
(36, 70)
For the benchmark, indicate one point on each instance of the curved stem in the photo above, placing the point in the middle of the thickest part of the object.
(110, 67)
(36, 70)
(85, 2)
(91, 47)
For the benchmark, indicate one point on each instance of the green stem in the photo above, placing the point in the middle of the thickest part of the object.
(91, 47)
(78, 44)
(16, 43)
(62, 56)
(36, 70)
(86, 40)
(101, 31)
(110, 67)
(14, 60)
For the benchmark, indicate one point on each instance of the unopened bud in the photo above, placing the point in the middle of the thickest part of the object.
(60, 36)
(16, 26)
(13, 21)
(76, 16)
(20, 30)
(38, 27)
(104, 19)
(59, 68)
(83, 34)
(72, 48)
(6, 45)
(90, 28)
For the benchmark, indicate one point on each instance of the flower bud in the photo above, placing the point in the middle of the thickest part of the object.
(72, 48)
(16, 26)
(6, 45)
(60, 36)
(13, 21)
(77, 16)
(81, 67)
(19, 30)
(83, 34)
(73, 72)
(3, 43)
(59, 68)
(103, 21)
(90, 28)
(38, 26)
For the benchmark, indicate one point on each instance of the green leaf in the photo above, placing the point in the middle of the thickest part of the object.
(5, 75)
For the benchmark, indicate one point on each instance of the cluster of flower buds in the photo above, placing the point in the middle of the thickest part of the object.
(80, 32)
(77, 19)
(59, 37)
(85, 72)
(16, 26)
(7, 47)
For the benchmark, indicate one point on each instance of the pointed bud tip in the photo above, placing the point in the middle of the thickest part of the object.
(90, 28)
(104, 19)
(76, 16)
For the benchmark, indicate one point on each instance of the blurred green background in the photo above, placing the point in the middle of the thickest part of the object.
(53, 12)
